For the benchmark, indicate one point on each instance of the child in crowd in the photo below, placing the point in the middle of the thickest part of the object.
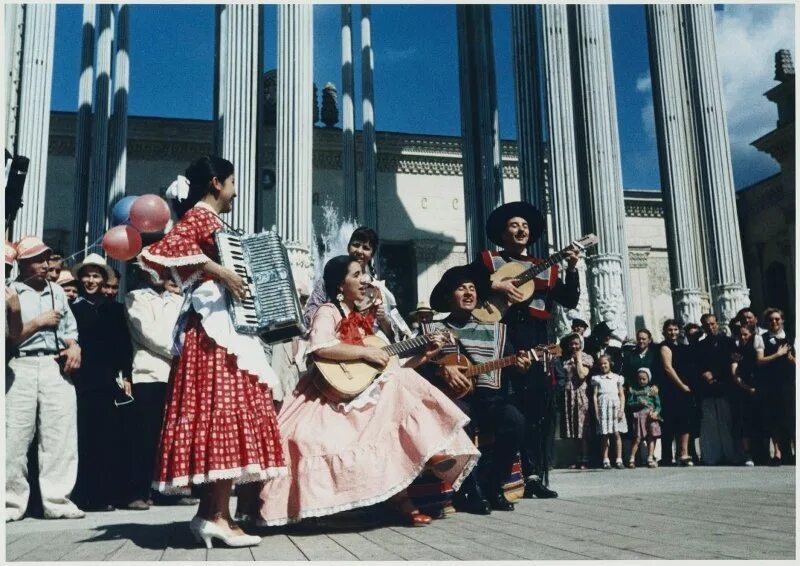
(646, 407)
(609, 400)
(70, 285)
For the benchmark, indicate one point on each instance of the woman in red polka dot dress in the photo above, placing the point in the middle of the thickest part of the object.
(220, 425)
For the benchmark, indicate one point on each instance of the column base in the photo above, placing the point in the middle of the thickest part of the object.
(729, 298)
(687, 304)
(302, 264)
(604, 280)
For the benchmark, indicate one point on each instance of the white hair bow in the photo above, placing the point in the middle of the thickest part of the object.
(179, 189)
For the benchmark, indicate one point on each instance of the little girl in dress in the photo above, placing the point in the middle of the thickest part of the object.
(609, 400)
(646, 406)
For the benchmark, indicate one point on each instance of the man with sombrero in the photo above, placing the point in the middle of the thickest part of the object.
(39, 381)
(513, 227)
(488, 402)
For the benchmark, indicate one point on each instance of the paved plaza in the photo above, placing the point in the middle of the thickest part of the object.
(669, 513)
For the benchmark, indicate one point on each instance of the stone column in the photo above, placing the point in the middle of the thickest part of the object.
(349, 202)
(14, 26)
(480, 131)
(599, 169)
(295, 131)
(33, 127)
(676, 144)
(560, 131)
(83, 131)
(237, 102)
(368, 117)
(98, 178)
(718, 199)
(529, 113)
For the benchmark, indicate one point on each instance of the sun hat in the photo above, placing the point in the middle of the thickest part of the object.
(31, 246)
(452, 278)
(422, 307)
(66, 277)
(96, 260)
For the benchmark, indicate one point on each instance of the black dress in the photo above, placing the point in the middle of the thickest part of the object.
(106, 352)
(777, 380)
(678, 409)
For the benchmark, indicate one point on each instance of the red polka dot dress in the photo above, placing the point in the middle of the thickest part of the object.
(219, 421)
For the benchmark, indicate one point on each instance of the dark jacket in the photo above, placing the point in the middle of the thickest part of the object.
(713, 354)
(106, 349)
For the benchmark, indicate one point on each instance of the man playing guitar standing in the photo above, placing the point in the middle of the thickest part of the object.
(488, 400)
(514, 226)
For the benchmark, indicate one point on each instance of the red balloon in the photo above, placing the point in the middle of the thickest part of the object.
(149, 213)
(122, 242)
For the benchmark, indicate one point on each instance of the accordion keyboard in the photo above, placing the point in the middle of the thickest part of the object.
(271, 308)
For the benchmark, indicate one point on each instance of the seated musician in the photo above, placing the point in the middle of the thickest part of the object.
(219, 423)
(489, 402)
(344, 455)
(514, 226)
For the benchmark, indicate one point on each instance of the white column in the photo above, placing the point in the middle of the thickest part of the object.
(565, 200)
(718, 199)
(83, 130)
(33, 129)
(676, 146)
(529, 113)
(238, 100)
(349, 202)
(98, 180)
(480, 131)
(368, 119)
(14, 26)
(599, 168)
(295, 132)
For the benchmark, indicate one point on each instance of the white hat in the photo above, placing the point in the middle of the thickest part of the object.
(98, 261)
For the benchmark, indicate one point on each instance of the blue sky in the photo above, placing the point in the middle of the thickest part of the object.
(416, 70)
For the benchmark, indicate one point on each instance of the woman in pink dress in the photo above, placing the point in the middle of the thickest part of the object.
(219, 425)
(351, 454)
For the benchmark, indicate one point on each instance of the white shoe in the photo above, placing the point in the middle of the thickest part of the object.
(206, 531)
(749, 463)
(70, 513)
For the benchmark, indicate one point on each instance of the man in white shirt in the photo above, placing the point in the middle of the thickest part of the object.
(41, 361)
(152, 313)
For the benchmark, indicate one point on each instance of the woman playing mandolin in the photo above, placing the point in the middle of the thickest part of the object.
(344, 455)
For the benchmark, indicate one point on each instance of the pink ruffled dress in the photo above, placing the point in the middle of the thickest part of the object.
(347, 455)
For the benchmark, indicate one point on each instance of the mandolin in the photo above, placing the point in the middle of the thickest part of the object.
(470, 370)
(494, 307)
(344, 380)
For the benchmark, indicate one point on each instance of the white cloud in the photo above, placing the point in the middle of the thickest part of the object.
(747, 38)
(392, 54)
(649, 119)
(643, 83)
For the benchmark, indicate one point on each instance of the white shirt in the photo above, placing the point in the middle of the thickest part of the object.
(151, 319)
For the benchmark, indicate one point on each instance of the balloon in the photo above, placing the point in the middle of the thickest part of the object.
(150, 213)
(121, 211)
(122, 242)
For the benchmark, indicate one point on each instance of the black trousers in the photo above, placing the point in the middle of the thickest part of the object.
(100, 440)
(495, 415)
(142, 426)
(534, 396)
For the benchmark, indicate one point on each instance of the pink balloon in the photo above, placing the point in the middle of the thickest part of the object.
(122, 242)
(149, 213)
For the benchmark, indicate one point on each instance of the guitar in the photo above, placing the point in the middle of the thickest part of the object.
(341, 381)
(494, 307)
(539, 353)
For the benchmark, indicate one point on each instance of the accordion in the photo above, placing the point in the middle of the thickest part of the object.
(271, 308)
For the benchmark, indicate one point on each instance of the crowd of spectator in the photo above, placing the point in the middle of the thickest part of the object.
(87, 378)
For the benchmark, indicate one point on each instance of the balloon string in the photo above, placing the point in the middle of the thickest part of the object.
(90, 246)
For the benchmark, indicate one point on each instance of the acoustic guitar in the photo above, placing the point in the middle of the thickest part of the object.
(471, 371)
(494, 307)
(342, 381)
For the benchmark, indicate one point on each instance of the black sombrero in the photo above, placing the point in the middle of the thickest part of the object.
(496, 223)
(452, 278)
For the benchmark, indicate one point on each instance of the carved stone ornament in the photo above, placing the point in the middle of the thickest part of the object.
(728, 299)
(330, 108)
(302, 263)
(605, 282)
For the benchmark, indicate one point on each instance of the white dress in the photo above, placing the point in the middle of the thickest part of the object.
(608, 403)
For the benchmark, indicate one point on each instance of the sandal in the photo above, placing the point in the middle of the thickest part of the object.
(573, 466)
(606, 464)
(686, 461)
(618, 464)
(652, 463)
(631, 464)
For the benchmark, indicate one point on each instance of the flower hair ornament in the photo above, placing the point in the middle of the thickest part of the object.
(179, 189)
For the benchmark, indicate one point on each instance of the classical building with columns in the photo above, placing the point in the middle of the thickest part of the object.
(428, 196)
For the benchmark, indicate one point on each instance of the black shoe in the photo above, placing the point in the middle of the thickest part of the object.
(500, 503)
(473, 504)
(538, 489)
(98, 507)
(775, 462)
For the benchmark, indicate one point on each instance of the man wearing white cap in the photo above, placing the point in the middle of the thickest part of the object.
(46, 353)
